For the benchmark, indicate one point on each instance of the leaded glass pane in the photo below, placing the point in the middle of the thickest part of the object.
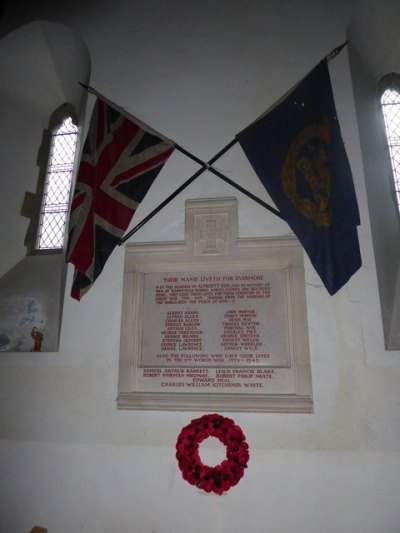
(53, 215)
(390, 101)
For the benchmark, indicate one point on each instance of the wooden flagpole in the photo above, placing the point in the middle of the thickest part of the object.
(204, 166)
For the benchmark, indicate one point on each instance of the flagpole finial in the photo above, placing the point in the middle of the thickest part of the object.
(88, 88)
(336, 51)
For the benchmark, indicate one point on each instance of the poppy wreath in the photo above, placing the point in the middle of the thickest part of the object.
(228, 473)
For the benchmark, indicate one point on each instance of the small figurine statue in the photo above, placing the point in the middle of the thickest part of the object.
(37, 337)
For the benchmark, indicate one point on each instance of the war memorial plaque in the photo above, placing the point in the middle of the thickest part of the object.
(215, 322)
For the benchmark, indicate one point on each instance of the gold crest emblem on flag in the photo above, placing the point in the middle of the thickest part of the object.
(308, 159)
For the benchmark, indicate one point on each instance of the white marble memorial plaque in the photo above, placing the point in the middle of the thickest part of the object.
(215, 321)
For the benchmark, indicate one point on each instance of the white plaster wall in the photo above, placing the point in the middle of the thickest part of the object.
(69, 461)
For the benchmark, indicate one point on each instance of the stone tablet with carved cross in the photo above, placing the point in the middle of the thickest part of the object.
(215, 322)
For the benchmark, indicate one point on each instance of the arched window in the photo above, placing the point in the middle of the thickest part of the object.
(57, 187)
(390, 103)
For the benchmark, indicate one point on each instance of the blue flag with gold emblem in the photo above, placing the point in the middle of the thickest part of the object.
(298, 153)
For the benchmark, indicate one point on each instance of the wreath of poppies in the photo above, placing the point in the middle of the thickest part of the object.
(228, 473)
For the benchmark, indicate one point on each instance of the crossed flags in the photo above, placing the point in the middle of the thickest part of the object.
(297, 152)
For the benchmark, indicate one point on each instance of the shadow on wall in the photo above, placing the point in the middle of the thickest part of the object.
(41, 64)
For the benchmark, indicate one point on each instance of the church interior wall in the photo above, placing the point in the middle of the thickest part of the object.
(199, 73)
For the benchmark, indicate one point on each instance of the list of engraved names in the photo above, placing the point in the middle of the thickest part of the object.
(213, 331)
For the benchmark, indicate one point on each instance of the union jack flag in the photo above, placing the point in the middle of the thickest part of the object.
(121, 158)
